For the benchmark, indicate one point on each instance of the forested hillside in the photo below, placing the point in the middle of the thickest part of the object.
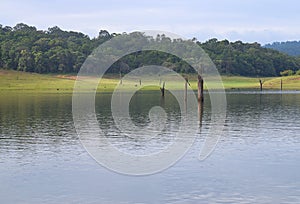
(290, 47)
(25, 48)
(248, 59)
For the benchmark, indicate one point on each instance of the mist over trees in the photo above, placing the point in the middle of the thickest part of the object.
(25, 48)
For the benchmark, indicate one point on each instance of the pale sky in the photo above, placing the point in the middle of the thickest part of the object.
(263, 21)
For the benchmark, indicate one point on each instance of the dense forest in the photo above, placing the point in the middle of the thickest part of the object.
(248, 59)
(25, 48)
(290, 47)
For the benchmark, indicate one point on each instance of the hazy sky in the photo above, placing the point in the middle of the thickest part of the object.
(247, 20)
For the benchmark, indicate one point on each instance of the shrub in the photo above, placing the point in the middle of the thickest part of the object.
(298, 72)
(287, 73)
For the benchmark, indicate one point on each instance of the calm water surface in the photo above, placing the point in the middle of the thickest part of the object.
(257, 159)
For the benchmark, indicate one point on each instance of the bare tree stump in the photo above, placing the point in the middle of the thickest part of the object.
(261, 84)
(185, 90)
(280, 84)
(163, 90)
(120, 78)
(200, 89)
(200, 112)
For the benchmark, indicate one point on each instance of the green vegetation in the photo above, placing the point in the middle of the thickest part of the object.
(287, 73)
(15, 81)
(248, 59)
(47, 61)
(24, 48)
(31, 82)
(290, 47)
(289, 83)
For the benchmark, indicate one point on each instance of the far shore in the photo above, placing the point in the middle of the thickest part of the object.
(14, 81)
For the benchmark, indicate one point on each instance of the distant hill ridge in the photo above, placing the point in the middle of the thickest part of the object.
(290, 47)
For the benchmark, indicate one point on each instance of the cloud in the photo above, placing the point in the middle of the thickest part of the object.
(247, 20)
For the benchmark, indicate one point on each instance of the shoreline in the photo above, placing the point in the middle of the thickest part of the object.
(16, 82)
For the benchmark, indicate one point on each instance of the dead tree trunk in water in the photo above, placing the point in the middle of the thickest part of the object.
(280, 84)
(120, 77)
(200, 89)
(261, 84)
(200, 112)
(185, 88)
(163, 90)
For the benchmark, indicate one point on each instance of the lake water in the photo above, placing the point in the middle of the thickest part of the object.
(257, 160)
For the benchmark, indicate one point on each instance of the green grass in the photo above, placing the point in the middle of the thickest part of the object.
(236, 82)
(14, 81)
(288, 83)
(31, 82)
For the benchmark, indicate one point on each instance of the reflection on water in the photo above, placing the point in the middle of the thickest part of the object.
(256, 161)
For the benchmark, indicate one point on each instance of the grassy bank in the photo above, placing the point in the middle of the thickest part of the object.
(13, 81)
